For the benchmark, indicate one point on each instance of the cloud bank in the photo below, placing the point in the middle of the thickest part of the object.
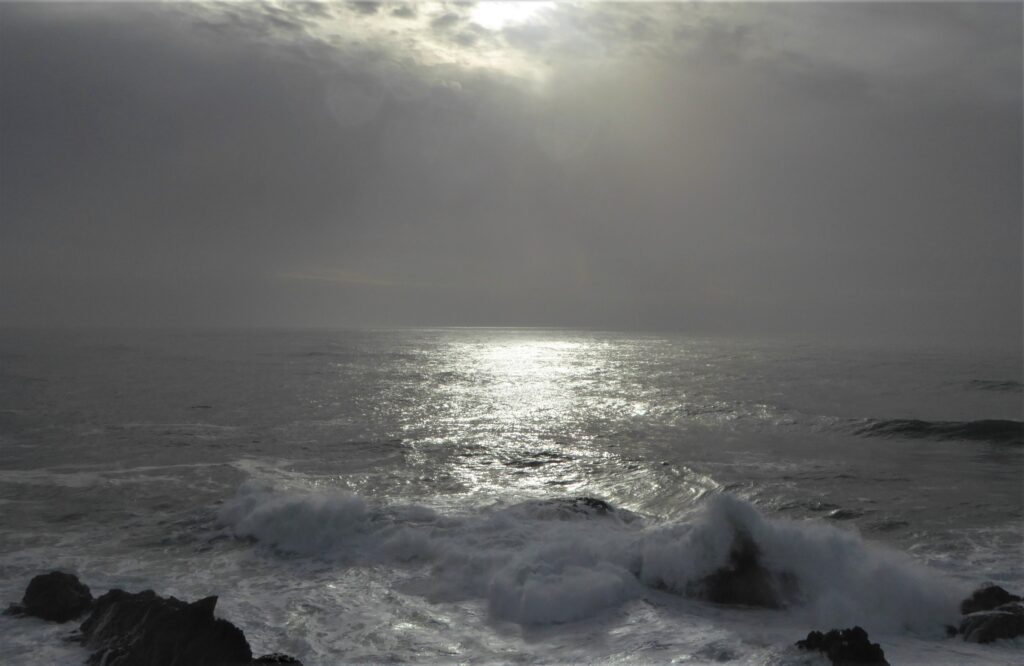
(842, 170)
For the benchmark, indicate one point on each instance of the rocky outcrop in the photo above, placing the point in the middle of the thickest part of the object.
(148, 630)
(589, 505)
(1006, 621)
(55, 596)
(744, 580)
(991, 613)
(986, 598)
(142, 629)
(846, 647)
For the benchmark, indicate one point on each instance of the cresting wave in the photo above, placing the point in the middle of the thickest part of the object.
(552, 561)
(998, 431)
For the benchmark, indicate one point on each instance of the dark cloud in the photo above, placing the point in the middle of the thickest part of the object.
(313, 9)
(445, 21)
(860, 178)
(466, 38)
(365, 7)
(404, 11)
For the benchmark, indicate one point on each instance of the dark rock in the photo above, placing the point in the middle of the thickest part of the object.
(574, 508)
(142, 629)
(846, 647)
(745, 581)
(55, 596)
(145, 629)
(843, 514)
(1006, 621)
(986, 598)
(600, 507)
(17, 610)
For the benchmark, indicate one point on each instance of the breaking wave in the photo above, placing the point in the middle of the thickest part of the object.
(562, 560)
(999, 431)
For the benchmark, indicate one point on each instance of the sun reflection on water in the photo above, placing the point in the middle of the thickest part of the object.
(532, 381)
(526, 401)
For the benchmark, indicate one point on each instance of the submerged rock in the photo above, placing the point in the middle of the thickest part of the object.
(575, 508)
(744, 580)
(985, 626)
(145, 629)
(55, 596)
(276, 658)
(591, 505)
(986, 598)
(846, 647)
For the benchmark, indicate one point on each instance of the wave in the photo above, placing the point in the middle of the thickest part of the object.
(562, 560)
(1008, 385)
(999, 431)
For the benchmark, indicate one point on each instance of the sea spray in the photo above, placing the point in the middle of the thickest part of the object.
(839, 578)
(302, 523)
(545, 561)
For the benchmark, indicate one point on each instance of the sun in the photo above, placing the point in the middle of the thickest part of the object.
(495, 15)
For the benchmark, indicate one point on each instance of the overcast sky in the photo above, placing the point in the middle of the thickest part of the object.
(849, 170)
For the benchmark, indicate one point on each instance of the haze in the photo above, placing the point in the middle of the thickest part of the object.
(827, 170)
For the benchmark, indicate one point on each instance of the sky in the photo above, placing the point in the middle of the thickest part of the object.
(831, 170)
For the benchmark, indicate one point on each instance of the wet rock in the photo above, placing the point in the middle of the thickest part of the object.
(843, 514)
(846, 647)
(591, 504)
(987, 598)
(142, 629)
(55, 596)
(1006, 621)
(574, 508)
(745, 581)
(145, 629)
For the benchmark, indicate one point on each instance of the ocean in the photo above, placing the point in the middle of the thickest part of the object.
(388, 496)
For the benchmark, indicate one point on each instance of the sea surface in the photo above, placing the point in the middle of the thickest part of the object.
(387, 496)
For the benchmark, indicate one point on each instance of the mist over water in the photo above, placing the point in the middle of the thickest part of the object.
(404, 494)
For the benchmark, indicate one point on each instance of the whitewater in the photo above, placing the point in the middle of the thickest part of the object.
(513, 495)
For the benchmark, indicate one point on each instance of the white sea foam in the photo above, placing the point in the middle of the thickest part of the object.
(545, 592)
(303, 523)
(542, 562)
(841, 579)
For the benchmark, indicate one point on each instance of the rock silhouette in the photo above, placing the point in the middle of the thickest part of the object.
(744, 580)
(142, 629)
(55, 596)
(991, 613)
(986, 598)
(1006, 621)
(846, 647)
(147, 629)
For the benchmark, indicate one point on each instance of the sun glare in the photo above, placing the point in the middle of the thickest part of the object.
(497, 15)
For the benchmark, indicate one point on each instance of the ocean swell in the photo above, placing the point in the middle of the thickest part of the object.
(998, 431)
(1007, 385)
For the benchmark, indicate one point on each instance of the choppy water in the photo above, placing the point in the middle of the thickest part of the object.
(381, 495)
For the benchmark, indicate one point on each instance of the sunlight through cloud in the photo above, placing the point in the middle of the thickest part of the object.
(498, 15)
